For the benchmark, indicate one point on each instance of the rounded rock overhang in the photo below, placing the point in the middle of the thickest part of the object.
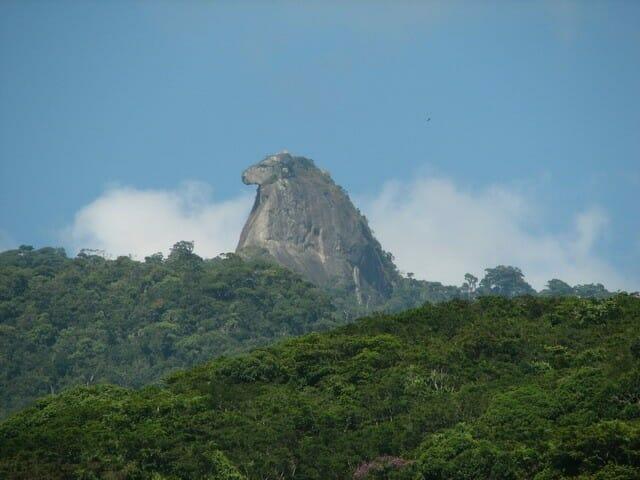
(274, 167)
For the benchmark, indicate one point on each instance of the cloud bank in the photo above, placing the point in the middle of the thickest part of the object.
(440, 232)
(128, 221)
(434, 228)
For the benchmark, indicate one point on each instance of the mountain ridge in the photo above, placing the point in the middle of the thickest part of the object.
(497, 388)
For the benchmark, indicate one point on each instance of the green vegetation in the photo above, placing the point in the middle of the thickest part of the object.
(502, 281)
(88, 320)
(526, 388)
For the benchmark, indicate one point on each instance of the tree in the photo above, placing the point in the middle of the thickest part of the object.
(505, 281)
(182, 257)
(558, 288)
(155, 259)
(470, 284)
(181, 249)
(592, 290)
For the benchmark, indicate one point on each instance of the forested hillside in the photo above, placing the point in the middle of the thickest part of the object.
(85, 320)
(543, 388)
(88, 320)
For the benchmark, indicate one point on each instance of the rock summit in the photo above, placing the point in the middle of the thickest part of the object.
(306, 222)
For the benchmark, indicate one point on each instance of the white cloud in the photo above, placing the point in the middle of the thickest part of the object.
(434, 229)
(127, 221)
(440, 232)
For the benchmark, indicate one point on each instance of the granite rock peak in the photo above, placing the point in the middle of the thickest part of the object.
(306, 222)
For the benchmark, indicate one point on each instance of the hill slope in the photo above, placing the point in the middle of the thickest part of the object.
(89, 320)
(503, 389)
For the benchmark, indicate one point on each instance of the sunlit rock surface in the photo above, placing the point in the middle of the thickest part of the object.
(307, 223)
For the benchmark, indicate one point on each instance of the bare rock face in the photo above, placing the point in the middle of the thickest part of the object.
(307, 223)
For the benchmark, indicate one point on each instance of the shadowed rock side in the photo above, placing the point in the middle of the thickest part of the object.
(307, 223)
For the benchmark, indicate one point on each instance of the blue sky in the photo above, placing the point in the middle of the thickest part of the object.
(128, 123)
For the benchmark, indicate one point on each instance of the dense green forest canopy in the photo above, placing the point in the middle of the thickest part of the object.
(85, 320)
(69, 321)
(532, 387)
(503, 280)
